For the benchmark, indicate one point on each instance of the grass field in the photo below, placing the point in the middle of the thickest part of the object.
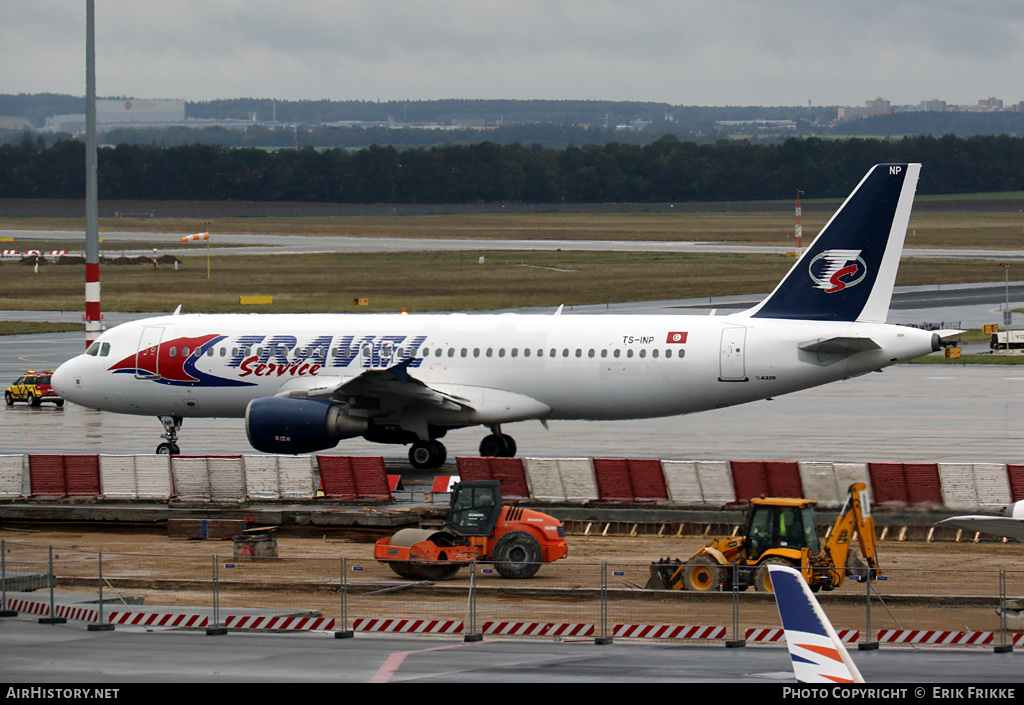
(456, 281)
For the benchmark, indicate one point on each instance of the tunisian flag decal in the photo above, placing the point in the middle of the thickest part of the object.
(676, 337)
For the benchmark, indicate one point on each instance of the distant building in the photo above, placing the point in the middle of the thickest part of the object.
(121, 113)
(878, 106)
(933, 106)
(129, 111)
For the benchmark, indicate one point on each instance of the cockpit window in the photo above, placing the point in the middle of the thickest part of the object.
(93, 350)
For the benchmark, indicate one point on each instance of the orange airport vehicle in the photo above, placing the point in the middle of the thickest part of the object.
(479, 528)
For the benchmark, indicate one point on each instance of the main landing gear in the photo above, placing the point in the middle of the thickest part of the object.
(427, 455)
(171, 426)
(498, 444)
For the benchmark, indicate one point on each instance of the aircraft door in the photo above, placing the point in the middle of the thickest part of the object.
(147, 359)
(732, 365)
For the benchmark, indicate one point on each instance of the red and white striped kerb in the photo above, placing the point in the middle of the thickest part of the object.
(159, 619)
(290, 623)
(922, 636)
(847, 636)
(408, 626)
(663, 631)
(537, 629)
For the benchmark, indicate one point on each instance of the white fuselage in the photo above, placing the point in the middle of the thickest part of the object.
(510, 366)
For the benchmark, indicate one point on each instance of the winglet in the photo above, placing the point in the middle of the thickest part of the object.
(817, 653)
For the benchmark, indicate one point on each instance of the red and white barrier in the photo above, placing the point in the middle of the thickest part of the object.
(662, 631)
(923, 636)
(159, 619)
(289, 623)
(771, 636)
(409, 626)
(537, 629)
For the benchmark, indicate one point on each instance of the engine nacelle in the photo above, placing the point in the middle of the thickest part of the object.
(291, 426)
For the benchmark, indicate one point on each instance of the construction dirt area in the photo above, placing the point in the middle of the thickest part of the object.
(929, 585)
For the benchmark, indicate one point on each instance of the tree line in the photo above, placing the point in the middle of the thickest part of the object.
(667, 170)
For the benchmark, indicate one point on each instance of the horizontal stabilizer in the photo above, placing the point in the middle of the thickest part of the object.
(842, 345)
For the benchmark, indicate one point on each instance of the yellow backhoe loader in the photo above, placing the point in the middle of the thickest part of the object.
(779, 531)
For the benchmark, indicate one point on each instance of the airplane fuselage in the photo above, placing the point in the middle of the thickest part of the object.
(528, 366)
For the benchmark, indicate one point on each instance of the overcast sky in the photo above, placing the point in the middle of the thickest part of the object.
(684, 52)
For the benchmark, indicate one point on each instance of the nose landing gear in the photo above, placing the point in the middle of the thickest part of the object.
(171, 426)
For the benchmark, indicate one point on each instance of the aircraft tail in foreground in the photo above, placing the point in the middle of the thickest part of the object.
(817, 653)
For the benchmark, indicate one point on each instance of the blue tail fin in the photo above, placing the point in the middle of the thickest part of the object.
(817, 653)
(848, 272)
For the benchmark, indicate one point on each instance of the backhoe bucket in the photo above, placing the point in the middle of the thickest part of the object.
(662, 574)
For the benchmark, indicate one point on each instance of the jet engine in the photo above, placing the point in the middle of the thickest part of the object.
(292, 426)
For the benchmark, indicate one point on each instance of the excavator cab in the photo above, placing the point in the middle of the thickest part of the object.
(474, 508)
(781, 524)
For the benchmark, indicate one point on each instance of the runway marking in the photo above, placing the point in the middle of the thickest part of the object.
(393, 662)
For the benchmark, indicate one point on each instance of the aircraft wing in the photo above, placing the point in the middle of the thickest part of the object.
(393, 384)
(1000, 526)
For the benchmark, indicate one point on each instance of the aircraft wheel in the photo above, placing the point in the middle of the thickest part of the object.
(167, 449)
(427, 454)
(517, 554)
(763, 579)
(498, 446)
(510, 446)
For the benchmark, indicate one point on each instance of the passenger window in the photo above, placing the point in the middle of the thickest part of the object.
(515, 352)
(464, 352)
(629, 353)
(476, 352)
(643, 353)
(618, 353)
(173, 352)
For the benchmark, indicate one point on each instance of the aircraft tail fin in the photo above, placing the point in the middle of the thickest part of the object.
(848, 272)
(817, 653)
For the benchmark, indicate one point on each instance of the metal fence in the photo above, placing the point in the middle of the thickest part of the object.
(600, 601)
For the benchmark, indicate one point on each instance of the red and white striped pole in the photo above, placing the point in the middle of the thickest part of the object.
(93, 316)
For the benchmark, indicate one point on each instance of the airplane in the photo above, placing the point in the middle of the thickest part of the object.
(817, 653)
(1010, 525)
(304, 382)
